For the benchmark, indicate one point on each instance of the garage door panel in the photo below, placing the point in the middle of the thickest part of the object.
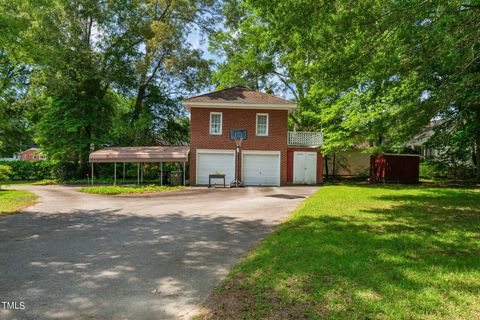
(261, 169)
(305, 167)
(215, 163)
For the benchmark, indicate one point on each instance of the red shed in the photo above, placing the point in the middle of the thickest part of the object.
(394, 168)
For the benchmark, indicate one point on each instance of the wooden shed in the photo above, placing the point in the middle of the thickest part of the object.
(394, 168)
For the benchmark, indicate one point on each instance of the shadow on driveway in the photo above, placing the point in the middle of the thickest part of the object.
(102, 264)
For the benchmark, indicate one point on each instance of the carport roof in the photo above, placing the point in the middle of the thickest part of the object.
(141, 154)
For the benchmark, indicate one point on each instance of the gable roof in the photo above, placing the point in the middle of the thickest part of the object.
(239, 97)
(29, 150)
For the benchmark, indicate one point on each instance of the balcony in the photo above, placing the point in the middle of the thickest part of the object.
(305, 139)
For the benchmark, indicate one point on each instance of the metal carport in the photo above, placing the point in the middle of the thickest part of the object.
(140, 155)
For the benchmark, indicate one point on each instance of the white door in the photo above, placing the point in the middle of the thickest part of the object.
(305, 167)
(261, 168)
(215, 162)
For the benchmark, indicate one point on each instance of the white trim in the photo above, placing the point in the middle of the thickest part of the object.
(217, 151)
(267, 152)
(401, 154)
(233, 104)
(210, 124)
(261, 152)
(216, 105)
(256, 124)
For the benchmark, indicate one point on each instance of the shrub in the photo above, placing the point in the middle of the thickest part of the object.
(23, 170)
(63, 170)
(439, 169)
(5, 172)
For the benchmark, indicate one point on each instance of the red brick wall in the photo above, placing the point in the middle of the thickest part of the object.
(290, 152)
(200, 137)
(27, 155)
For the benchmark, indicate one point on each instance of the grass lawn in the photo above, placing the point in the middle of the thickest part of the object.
(15, 200)
(117, 190)
(363, 252)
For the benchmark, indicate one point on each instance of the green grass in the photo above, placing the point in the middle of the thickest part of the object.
(363, 252)
(15, 200)
(98, 181)
(45, 182)
(116, 190)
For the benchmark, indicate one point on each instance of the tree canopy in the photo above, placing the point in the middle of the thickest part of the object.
(83, 72)
(375, 71)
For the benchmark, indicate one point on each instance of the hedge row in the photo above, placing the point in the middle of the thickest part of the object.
(65, 171)
(35, 170)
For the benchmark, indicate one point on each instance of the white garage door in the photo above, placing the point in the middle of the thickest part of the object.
(261, 168)
(215, 162)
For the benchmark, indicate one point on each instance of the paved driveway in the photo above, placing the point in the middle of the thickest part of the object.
(80, 256)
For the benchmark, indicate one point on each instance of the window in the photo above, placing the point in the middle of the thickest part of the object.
(262, 124)
(216, 123)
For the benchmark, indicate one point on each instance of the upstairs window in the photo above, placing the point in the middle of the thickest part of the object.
(216, 123)
(262, 124)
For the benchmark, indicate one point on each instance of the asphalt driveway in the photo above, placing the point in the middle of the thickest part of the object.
(81, 256)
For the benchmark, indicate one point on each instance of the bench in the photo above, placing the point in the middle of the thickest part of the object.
(215, 176)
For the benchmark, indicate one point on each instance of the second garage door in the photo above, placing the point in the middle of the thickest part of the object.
(213, 162)
(261, 168)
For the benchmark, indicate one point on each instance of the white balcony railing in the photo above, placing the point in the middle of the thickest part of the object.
(305, 139)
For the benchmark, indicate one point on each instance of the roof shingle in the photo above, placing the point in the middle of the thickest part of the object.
(238, 95)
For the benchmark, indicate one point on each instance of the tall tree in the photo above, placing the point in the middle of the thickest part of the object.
(164, 64)
(363, 70)
(102, 72)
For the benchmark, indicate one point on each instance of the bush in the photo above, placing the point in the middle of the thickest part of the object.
(438, 169)
(24, 170)
(63, 171)
(5, 172)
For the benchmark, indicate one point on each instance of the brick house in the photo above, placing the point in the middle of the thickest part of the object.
(269, 155)
(32, 154)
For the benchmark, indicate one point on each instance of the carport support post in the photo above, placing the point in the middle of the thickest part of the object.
(124, 172)
(161, 173)
(184, 173)
(138, 173)
(92, 174)
(115, 174)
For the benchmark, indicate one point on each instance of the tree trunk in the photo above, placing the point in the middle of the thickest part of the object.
(326, 167)
(138, 102)
(477, 152)
(333, 167)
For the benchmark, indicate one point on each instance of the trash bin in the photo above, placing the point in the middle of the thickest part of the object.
(176, 178)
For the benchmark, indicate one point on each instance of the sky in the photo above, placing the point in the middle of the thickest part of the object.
(199, 41)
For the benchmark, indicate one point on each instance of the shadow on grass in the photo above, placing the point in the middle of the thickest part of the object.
(410, 253)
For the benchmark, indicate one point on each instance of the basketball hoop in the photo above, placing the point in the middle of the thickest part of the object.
(238, 141)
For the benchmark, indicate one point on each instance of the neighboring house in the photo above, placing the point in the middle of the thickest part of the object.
(32, 154)
(418, 142)
(269, 156)
(14, 158)
(351, 163)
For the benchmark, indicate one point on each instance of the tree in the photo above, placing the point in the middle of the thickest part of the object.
(101, 72)
(361, 70)
(14, 77)
(162, 65)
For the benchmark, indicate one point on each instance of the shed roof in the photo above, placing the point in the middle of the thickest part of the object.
(239, 97)
(141, 154)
